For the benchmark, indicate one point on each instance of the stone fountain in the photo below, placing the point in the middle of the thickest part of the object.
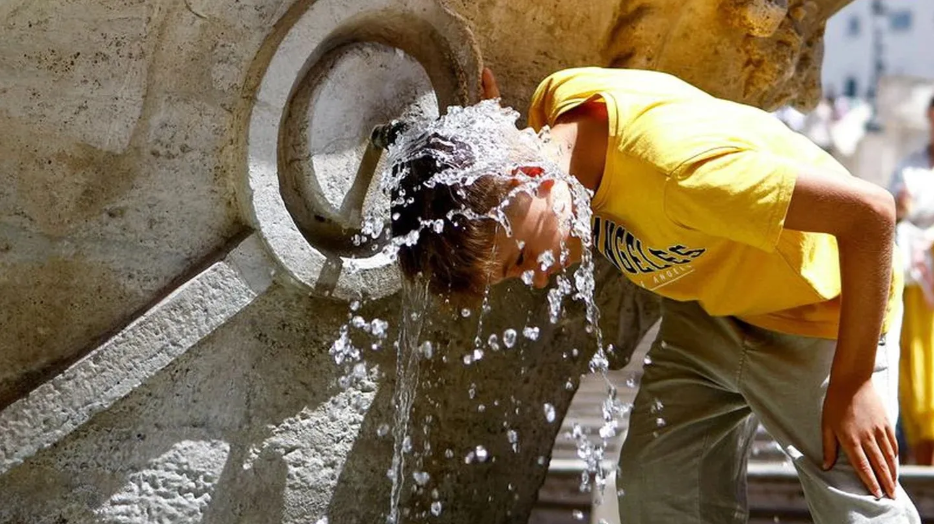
(181, 181)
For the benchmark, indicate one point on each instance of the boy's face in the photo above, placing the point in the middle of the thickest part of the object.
(540, 225)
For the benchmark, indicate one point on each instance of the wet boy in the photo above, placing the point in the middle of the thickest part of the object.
(780, 304)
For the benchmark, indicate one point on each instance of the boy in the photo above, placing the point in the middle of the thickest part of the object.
(774, 264)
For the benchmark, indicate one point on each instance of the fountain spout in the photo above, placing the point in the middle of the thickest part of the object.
(384, 135)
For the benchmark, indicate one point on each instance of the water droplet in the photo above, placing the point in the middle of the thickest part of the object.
(382, 430)
(513, 439)
(421, 477)
(465, 312)
(647, 360)
(660, 422)
(436, 508)
(509, 338)
(427, 349)
(599, 363)
(481, 408)
(378, 327)
(530, 332)
(407, 444)
(449, 453)
(468, 359)
(549, 412)
(472, 391)
(358, 322)
(481, 454)
(355, 305)
(528, 277)
(477, 354)
(546, 260)
(359, 371)
(577, 514)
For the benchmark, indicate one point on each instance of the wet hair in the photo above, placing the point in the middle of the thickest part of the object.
(459, 259)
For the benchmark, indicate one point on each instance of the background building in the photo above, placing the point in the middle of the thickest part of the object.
(884, 37)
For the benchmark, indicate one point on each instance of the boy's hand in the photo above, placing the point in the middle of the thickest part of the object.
(488, 84)
(861, 216)
(855, 418)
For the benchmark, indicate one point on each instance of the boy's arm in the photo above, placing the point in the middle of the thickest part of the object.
(861, 216)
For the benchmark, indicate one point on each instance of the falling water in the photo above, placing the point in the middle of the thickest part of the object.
(482, 126)
(414, 304)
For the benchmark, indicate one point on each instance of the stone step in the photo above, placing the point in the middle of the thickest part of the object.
(774, 492)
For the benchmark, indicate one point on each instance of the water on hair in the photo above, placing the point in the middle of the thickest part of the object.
(480, 126)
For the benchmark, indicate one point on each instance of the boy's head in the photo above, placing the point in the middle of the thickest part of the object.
(481, 208)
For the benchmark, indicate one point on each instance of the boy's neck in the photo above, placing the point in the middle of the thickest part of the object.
(581, 135)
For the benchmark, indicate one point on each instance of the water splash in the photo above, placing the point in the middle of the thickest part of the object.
(482, 124)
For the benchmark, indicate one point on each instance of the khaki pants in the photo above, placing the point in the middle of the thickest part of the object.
(710, 382)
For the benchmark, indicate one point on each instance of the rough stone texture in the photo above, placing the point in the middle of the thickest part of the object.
(123, 164)
(248, 426)
(760, 52)
(121, 364)
(114, 118)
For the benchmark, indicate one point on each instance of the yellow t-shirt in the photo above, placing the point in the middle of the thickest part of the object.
(693, 200)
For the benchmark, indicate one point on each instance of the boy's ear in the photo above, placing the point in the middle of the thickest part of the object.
(530, 170)
(541, 187)
(545, 185)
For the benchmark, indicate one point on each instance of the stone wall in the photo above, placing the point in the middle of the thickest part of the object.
(179, 183)
(761, 52)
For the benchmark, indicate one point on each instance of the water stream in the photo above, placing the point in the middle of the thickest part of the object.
(415, 301)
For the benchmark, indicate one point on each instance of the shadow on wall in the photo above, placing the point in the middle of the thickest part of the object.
(249, 426)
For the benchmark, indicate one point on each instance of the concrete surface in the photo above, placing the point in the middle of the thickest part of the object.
(149, 373)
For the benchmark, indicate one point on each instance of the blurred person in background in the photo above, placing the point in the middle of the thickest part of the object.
(913, 187)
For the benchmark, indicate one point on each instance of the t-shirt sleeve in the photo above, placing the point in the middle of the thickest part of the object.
(734, 193)
(563, 91)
